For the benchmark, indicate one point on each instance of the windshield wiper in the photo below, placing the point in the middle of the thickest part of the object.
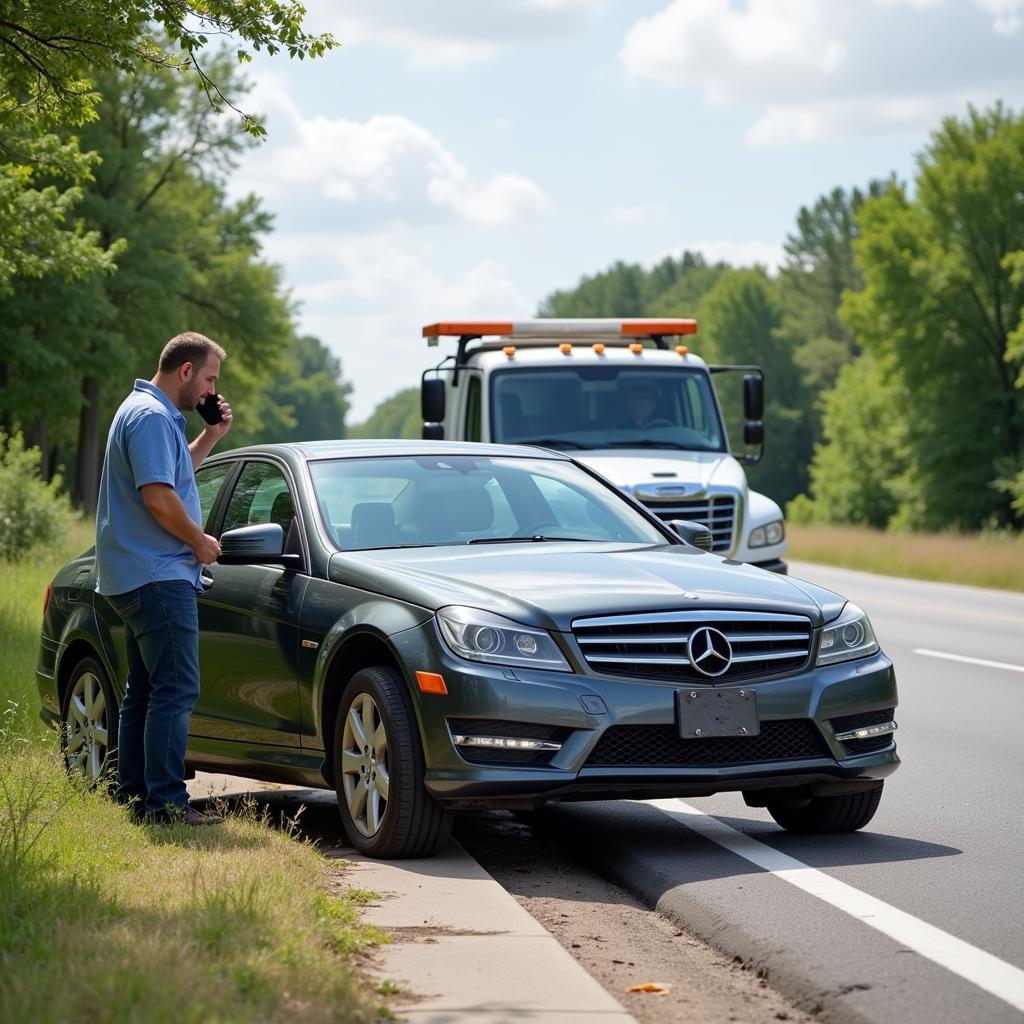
(553, 442)
(647, 443)
(533, 539)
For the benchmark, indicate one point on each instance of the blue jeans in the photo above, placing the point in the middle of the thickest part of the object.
(161, 641)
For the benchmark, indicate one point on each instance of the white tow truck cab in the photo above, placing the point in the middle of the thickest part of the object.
(625, 399)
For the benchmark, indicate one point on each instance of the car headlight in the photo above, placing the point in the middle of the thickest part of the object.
(770, 533)
(483, 636)
(850, 636)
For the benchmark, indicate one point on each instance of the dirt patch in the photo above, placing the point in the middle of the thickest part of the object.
(615, 937)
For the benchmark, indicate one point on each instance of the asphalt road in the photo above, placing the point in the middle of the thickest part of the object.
(920, 917)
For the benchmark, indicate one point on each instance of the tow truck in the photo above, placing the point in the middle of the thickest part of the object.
(627, 398)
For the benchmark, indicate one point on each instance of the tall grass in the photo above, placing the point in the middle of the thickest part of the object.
(105, 920)
(980, 560)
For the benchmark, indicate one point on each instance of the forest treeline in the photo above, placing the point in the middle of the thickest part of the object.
(891, 340)
(118, 132)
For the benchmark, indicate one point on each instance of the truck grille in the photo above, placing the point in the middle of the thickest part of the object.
(661, 746)
(717, 513)
(654, 645)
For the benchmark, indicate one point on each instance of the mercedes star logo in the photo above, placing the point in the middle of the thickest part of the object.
(709, 650)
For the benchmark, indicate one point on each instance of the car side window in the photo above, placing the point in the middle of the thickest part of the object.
(209, 481)
(261, 496)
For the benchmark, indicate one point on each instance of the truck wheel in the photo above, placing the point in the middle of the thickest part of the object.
(88, 735)
(823, 815)
(378, 770)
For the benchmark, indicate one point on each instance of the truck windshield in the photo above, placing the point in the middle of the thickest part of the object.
(576, 407)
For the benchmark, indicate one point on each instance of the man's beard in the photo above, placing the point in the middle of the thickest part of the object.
(188, 398)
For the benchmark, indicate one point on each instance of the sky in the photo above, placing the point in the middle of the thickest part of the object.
(465, 158)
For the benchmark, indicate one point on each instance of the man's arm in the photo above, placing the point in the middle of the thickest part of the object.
(203, 444)
(167, 509)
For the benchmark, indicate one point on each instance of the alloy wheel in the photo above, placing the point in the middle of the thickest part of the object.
(86, 728)
(365, 767)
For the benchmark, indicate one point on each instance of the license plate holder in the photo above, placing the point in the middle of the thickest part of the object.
(706, 713)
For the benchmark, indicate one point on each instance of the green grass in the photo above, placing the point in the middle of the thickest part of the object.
(981, 560)
(106, 921)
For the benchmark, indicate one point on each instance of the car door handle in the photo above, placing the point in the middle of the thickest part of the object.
(206, 581)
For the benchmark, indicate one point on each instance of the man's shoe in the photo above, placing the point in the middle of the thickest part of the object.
(196, 818)
(186, 815)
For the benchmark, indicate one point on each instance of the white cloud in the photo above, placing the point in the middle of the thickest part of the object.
(808, 70)
(736, 252)
(452, 32)
(385, 168)
(1007, 15)
(367, 297)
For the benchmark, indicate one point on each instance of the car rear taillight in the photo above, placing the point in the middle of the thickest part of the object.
(46, 599)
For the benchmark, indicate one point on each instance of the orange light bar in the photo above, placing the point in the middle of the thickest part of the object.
(458, 327)
(431, 682)
(565, 348)
(682, 350)
(636, 348)
(599, 348)
(509, 350)
(641, 326)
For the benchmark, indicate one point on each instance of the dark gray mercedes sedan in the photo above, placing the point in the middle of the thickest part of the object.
(427, 626)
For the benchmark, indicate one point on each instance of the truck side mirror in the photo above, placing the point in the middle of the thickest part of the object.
(433, 431)
(753, 433)
(753, 398)
(432, 400)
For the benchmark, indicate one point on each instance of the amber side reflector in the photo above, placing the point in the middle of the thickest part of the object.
(46, 599)
(636, 348)
(565, 348)
(509, 350)
(599, 348)
(431, 682)
(682, 350)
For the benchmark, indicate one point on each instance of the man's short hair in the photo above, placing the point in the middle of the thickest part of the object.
(189, 347)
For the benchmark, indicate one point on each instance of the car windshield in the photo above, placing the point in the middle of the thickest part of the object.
(610, 406)
(428, 500)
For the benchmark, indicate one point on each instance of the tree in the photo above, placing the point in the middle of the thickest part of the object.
(939, 308)
(740, 319)
(397, 416)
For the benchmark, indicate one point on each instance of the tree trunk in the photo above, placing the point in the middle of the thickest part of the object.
(87, 461)
(37, 439)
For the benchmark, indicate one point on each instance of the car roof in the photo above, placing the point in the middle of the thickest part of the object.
(313, 450)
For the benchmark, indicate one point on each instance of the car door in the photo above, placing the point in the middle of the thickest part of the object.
(248, 623)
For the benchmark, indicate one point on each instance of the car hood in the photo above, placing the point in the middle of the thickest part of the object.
(549, 584)
(696, 471)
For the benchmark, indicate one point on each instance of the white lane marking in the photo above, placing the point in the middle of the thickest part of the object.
(988, 972)
(969, 661)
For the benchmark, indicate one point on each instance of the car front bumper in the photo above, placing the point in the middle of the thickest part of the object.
(485, 694)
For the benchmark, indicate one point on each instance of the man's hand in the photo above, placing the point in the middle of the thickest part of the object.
(207, 550)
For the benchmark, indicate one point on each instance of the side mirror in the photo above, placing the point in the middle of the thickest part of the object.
(753, 433)
(695, 534)
(753, 397)
(262, 544)
(432, 400)
(433, 431)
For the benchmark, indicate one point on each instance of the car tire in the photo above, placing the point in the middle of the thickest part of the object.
(379, 768)
(824, 815)
(88, 733)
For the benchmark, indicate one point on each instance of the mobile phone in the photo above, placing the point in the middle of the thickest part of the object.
(209, 409)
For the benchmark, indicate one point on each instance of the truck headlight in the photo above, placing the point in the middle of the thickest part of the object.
(770, 533)
(850, 636)
(483, 636)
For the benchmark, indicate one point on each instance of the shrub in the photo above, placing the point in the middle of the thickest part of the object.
(32, 511)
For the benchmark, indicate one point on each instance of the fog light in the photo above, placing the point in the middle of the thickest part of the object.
(505, 742)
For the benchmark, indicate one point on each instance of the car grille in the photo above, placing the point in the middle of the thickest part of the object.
(717, 513)
(661, 746)
(861, 721)
(498, 727)
(654, 645)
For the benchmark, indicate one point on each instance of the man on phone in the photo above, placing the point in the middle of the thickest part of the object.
(150, 550)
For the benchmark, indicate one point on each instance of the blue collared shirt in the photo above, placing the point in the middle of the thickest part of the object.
(146, 445)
